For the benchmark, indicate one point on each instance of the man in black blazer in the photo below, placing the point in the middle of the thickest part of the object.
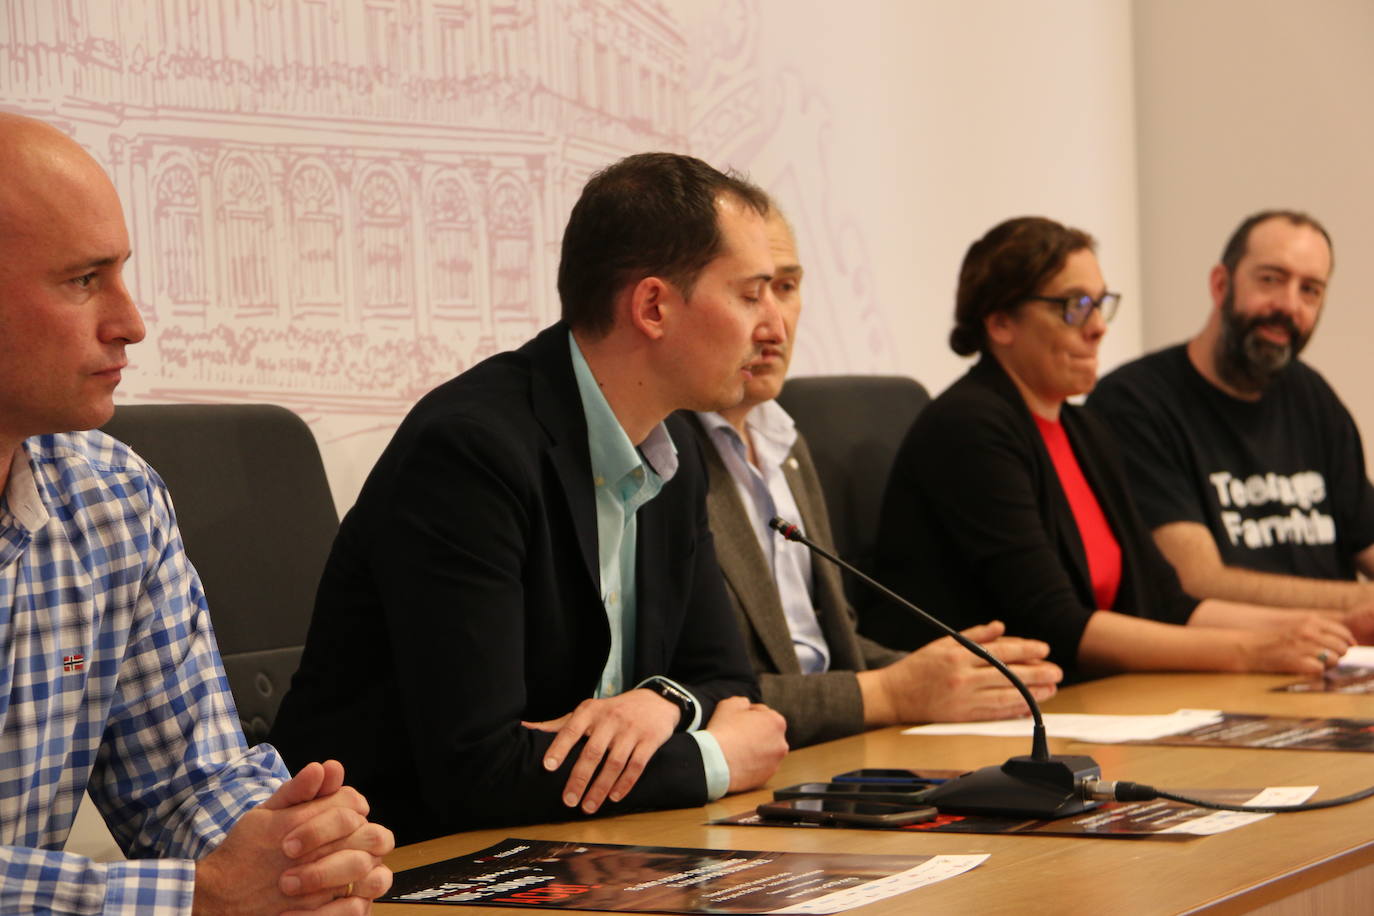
(505, 632)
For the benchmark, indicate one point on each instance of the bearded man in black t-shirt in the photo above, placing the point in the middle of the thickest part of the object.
(1244, 462)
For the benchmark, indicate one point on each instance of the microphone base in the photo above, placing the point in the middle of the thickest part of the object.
(1021, 787)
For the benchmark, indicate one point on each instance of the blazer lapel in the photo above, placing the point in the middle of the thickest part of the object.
(1057, 509)
(557, 404)
(742, 561)
(1066, 526)
(1112, 508)
(827, 586)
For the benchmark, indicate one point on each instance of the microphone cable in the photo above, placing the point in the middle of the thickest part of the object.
(1126, 791)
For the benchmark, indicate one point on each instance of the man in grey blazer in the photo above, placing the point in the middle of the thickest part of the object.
(813, 666)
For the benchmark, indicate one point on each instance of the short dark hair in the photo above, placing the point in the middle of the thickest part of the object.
(1239, 241)
(648, 215)
(1005, 266)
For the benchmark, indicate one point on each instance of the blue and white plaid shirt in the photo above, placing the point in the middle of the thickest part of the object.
(109, 678)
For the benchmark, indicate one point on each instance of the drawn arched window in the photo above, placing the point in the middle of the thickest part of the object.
(512, 243)
(180, 245)
(450, 233)
(385, 253)
(248, 242)
(316, 230)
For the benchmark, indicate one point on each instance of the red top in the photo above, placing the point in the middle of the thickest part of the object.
(1104, 553)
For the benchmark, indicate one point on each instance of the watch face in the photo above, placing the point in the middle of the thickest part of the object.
(677, 697)
(669, 694)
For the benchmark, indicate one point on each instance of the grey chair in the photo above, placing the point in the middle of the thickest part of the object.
(854, 425)
(257, 518)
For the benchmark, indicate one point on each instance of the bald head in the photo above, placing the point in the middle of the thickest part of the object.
(42, 168)
(17, 127)
(65, 315)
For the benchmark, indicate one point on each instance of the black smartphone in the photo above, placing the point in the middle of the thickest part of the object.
(895, 793)
(886, 777)
(846, 811)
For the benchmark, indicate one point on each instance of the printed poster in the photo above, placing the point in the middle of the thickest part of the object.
(1238, 729)
(661, 879)
(1340, 679)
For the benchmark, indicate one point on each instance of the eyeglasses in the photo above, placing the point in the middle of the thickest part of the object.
(1076, 309)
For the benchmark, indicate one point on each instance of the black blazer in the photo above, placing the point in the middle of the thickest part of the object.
(462, 596)
(976, 526)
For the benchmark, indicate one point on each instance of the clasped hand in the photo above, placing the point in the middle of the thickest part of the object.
(309, 847)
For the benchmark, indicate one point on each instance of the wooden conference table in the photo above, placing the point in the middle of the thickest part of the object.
(1310, 862)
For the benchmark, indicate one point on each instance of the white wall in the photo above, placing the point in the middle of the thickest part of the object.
(894, 133)
(899, 132)
(999, 109)
(1246, 105)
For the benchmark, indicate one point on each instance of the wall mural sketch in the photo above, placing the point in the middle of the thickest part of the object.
(337, 204)
(769, 118)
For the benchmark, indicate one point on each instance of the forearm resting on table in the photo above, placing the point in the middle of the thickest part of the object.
(1120, 642)
(1193, 553)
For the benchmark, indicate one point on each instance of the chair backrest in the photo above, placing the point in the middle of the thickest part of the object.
(257, 518)
(854, 425)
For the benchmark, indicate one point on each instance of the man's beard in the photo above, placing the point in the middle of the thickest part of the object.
(1247, 361)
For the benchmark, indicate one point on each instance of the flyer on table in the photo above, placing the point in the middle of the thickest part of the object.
(662, 879)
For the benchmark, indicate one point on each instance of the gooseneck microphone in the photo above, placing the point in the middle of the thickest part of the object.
(1041, 785)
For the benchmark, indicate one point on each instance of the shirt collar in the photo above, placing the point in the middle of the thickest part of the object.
(613, 454)
(772, 430)
(22, 498)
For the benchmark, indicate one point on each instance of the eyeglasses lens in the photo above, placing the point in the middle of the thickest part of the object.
(1077, 310)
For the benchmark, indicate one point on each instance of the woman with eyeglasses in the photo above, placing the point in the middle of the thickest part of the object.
(1005, 501)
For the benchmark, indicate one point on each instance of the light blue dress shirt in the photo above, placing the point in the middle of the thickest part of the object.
(765, 493)
(625, 479)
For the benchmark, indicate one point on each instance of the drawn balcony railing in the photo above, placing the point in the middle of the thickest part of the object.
(98, 72)
(324, 360)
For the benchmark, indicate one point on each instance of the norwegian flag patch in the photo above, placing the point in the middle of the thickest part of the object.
(73, 662)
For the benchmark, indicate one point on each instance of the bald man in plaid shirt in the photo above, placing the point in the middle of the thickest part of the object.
(109, 675)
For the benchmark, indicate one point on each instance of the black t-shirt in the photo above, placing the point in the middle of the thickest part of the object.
(1280, 482)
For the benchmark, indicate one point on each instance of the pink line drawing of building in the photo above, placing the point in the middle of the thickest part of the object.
(337, 204)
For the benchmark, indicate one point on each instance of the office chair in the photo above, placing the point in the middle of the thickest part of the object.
(257, 518)
(854, 425)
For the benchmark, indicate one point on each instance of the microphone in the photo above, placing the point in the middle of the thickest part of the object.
(1040, 785)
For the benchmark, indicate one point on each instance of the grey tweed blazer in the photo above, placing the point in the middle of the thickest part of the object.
(818, 707)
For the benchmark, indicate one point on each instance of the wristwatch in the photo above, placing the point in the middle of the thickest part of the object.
(686, 703)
